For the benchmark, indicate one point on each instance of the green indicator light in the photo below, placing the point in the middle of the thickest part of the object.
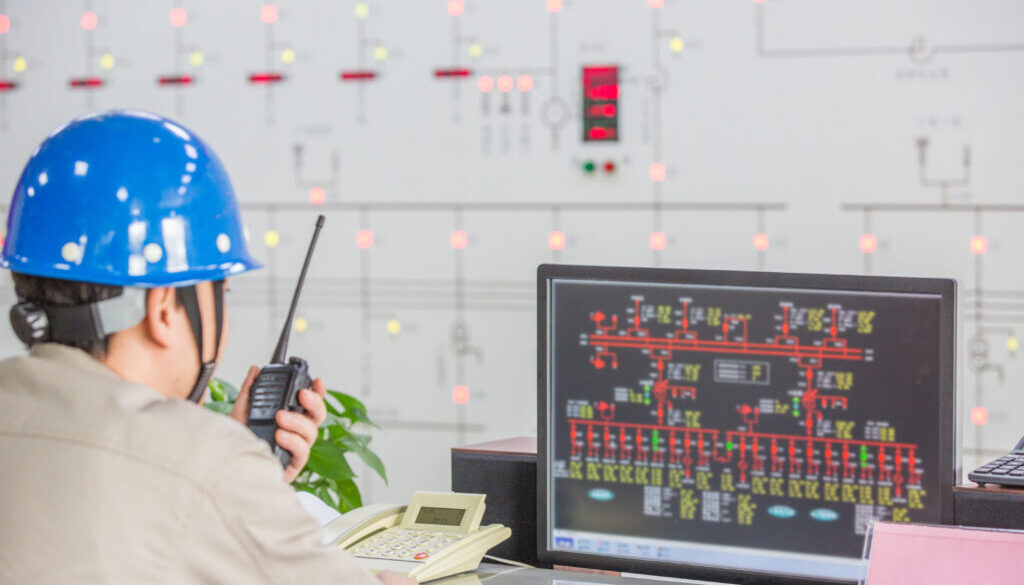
(588, 167)
(796, 413)
(647, 388)
(647, 400)
(728, 445)
(654, 439)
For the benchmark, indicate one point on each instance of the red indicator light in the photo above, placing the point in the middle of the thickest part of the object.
(761, 242)
(86, 82)
(524, 83)
(456, 7)
(265, 78)
(505, 83)
(358, 75)
(175, 80)
(5, 24)
(554, 5)
(979, 245)
(458, 239)
(364, 239)
(609, 167)
(556, 240)
(268, 14)
(868, 243)
(485, 83)
(178, 17)
(460, 394)
(657, 172)
(656, 4)
(317, 195)
(979, 416)
(89, 20)
(657, 241)
(599, 133)
(451, 72)
(8, 85)
(604, 92)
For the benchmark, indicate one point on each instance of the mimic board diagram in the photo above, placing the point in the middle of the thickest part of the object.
(745, 411)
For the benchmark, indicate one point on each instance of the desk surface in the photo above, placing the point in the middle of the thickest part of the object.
(495, 574)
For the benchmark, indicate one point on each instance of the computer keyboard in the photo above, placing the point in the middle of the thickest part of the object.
(1006, 470)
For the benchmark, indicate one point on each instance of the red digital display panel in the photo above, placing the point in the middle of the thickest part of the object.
(265, 78)
(601, 103)
(358, 75)
(86, 82)
(457, 72)
(175, 80)
(7, 85)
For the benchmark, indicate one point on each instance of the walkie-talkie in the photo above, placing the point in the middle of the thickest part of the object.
(278, 384)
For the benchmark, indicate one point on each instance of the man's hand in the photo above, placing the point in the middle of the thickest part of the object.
(297, 431)
(393, 578)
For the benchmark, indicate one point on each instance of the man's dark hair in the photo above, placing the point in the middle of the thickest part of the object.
(54, 291)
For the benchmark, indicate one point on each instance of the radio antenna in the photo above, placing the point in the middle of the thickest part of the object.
(282, 343)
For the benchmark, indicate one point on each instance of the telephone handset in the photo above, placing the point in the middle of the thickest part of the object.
(436, 535)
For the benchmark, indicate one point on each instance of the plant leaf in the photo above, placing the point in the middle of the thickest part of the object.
(327, 459)
(354, 409)
(348, 494)
(222, 391)
(357, 444)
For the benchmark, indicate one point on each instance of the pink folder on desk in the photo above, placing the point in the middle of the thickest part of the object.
(909, 554)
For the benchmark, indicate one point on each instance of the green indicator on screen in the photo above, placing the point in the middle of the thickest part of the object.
(728, 445)
(654, 439)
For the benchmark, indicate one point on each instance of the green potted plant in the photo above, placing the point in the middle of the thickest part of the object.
(327, 475)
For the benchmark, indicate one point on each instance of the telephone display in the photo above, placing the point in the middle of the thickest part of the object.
(440, 516)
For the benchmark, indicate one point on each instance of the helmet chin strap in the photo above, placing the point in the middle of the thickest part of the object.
(190, 300)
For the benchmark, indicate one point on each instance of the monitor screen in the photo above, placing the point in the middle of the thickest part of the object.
(730, 424)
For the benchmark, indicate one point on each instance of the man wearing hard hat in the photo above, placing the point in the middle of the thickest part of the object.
(121, 232)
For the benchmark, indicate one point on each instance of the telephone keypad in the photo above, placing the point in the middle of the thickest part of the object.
(405, 544)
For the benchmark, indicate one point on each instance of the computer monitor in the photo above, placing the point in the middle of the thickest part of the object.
(739, 426)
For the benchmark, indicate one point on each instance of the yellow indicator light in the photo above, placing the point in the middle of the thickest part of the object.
(300, 325)
(476, 50)
(1013, 344)
(196, 59)
(20, 64)
(380, 53)
(677, 44)
(271, 239)
(107, 61)
(362, 10)
(394, 327)
(288, 56)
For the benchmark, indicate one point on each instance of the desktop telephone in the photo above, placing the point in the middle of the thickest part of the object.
(436, 535)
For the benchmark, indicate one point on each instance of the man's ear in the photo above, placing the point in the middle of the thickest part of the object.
(161, 309)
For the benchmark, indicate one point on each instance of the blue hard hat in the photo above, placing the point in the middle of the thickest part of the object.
(125, 198)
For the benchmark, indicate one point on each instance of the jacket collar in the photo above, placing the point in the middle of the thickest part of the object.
(72, 356)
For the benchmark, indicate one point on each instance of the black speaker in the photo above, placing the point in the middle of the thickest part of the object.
(506, 471)
(989, 506)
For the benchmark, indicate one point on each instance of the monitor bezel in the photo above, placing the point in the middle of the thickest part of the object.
(949, 465)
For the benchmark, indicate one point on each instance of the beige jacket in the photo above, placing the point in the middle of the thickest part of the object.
(106, 481)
